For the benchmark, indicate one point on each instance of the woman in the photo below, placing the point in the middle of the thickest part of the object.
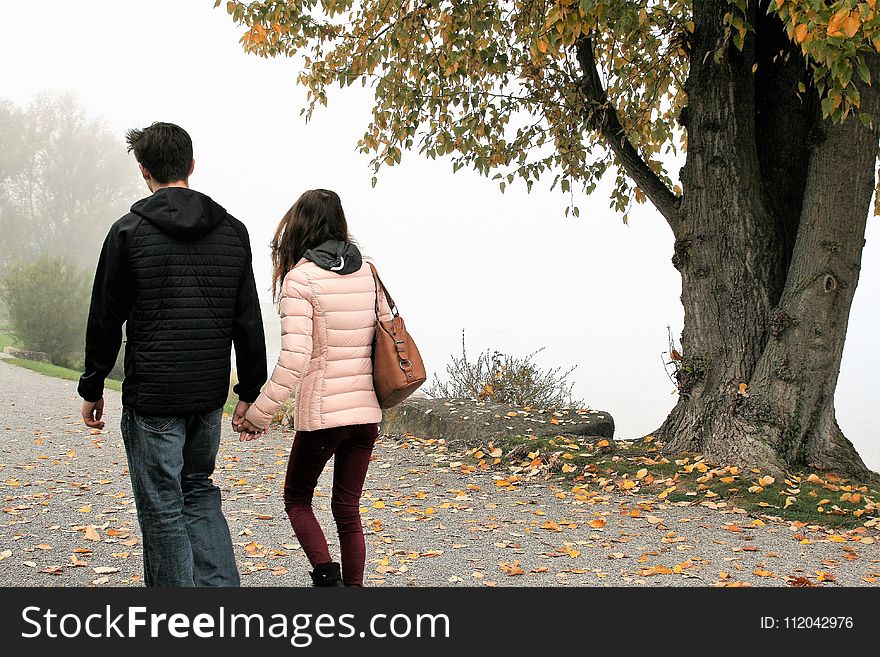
(328, 305)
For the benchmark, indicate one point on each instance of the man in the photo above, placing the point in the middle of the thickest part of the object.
(177, 271)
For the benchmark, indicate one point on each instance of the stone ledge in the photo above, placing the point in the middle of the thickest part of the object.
(469, 422)
(24, 354)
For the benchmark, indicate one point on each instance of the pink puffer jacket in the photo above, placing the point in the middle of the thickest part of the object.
(328, 322)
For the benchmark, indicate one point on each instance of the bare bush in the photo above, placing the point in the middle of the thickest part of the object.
(506, 379)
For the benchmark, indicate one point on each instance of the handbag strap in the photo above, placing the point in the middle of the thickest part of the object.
(379, 283)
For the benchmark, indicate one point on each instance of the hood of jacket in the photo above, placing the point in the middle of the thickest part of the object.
(180, 212)
(333, 255)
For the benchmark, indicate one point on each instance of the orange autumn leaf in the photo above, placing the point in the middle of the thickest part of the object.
(835, 24)
(656, 570)
(851, 25)
(511, 569)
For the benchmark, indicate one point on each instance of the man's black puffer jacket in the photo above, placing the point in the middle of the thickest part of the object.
(177, 269)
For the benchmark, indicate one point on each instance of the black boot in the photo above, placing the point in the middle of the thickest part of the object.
(327, 574)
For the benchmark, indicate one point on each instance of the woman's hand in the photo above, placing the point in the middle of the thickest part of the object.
(247, 431)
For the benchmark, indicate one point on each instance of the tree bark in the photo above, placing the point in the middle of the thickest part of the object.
(769, 244)
(792, 390)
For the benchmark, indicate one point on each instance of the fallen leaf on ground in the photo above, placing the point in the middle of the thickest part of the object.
(656, 570)
(511, 569)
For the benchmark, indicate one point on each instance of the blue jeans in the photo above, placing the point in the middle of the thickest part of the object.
(186, 538)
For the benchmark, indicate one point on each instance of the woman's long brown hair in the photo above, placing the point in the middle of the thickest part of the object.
(316, 217)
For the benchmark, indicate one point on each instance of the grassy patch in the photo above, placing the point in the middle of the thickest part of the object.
(58, 372)
(73, 375)
(6, 340)
(640, 468)
(231, 397)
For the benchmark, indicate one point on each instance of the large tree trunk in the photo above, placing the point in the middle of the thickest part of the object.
(769, 244)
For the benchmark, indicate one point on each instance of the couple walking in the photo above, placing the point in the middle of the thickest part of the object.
(177, 270)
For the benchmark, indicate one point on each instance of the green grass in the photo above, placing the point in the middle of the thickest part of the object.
(810, 498)
(8, 340)
(57, 371)
(231, 398)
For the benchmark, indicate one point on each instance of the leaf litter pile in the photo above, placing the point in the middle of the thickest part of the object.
(530, 512)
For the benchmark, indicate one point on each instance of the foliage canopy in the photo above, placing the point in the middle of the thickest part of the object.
(525, 88)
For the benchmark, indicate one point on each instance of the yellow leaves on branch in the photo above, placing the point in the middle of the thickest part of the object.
(844, 23)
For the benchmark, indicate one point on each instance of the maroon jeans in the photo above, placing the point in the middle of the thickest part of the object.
(311, 450)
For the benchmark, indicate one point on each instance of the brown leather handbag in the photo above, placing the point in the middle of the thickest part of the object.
(398, 369)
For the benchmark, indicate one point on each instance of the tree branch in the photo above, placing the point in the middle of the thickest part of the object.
(603, 118)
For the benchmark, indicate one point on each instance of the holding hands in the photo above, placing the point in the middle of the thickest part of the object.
(242, 426)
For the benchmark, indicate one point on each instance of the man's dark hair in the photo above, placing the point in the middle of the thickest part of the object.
(164, 149)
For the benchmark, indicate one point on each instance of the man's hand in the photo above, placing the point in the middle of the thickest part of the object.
(241, 426)
(238, 415)
(247, 431)
(92, 413)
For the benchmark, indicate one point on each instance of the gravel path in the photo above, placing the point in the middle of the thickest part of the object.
(68, 517)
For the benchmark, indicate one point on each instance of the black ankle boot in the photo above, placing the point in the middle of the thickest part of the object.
(327, 574)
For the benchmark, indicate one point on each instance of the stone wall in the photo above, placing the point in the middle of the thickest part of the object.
(469, 422)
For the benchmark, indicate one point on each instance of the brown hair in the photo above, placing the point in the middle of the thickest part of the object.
(164, 149)
(316, 217)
